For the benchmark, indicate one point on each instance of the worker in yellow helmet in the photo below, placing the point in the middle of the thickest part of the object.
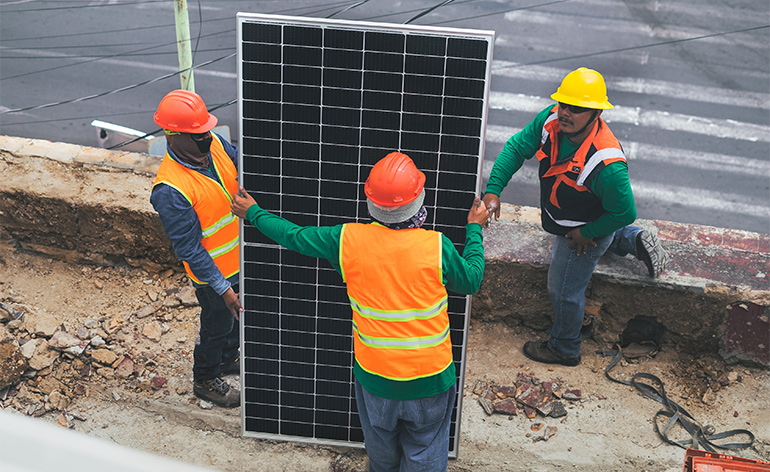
(397, 276)
(191, 194)
(585, 200)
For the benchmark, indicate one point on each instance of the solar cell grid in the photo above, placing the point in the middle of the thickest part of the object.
(320, 102)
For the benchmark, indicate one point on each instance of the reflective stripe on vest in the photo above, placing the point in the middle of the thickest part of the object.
(565, 197)
(400, 320)
(211, 202)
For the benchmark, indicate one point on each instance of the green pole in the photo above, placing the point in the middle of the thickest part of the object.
(183, 45)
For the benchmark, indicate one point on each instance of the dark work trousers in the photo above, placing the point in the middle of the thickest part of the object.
(219, 335)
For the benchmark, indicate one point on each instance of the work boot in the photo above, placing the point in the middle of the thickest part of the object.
(218, 392)
(232, 367)
(538, 351)
(650, 251)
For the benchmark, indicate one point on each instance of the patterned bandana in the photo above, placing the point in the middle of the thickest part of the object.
(414, 222)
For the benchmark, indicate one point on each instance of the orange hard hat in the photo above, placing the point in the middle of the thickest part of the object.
(394, 181)
(184, 111)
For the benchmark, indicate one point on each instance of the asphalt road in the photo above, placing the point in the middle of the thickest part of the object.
(690, 80)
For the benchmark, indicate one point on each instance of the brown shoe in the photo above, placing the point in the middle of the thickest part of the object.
(218, 392)
(538, 351)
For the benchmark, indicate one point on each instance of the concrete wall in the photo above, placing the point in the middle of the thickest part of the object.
(86, 204)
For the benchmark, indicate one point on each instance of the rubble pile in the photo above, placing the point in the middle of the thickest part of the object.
(529, 395)
(47, 360)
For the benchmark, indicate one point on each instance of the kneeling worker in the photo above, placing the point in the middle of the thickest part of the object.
(397, 277)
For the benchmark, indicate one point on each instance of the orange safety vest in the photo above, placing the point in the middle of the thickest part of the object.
(394, 281)
(211, 201)
(565, 199)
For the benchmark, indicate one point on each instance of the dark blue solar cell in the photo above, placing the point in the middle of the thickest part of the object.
(342, 116)
(455, 163)
(308, 152)
(464, 88)
(337, 391)
(304, 275)
(343, 59)
(260, 271)
(261, 424)
(423, 84)
(261, 109)
(425, 65)
(419, 142)
(261, 335)
(426, 45)
(466, 68)
(338, 207)
(341, 154)
(338, 358)
(302, 56)
(333, 294)
(422, 123)
(303, 322)
(260, 72)
(338, 189)
(426, 104)
(342, 78)
(343, 38)
(381, 119)
(261, 91)
(383, 81)
(301, 94)
(376, 41)
(381, 100)
(468, 48)
(460, 145)
(262, 33)
(334, 326)
(270, 53)
(304, 169)
(380, 138)
(331, 171)
(302, 35)
(262, 165)
(342, 98)
(302, 75)
(461, 126)
(383, 62)
(340, 135)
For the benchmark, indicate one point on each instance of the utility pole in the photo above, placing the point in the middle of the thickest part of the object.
(183, 45)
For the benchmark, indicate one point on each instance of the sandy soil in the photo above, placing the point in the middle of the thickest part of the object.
(609, 429)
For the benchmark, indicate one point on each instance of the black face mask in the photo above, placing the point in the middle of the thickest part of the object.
(204, 145)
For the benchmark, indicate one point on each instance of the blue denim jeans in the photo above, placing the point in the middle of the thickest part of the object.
(406, 435)
(219, 334)
(568, 277)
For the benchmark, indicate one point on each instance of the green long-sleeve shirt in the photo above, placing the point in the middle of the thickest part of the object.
(462, 274)
(611, 185)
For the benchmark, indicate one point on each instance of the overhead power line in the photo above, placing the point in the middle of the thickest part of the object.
(110, 92)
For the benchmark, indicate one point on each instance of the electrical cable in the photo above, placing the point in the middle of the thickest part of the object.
(630, 48)
(78, 7)
(121, 89)
(153, 133)
(93, 60)
(529, 7)
(429, 10)
(347, 8)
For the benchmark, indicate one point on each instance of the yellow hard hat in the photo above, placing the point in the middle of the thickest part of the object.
(583, 88)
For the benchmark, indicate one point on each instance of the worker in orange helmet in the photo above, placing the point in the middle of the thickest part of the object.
(586, 201)
(191, 194)
(397, 276)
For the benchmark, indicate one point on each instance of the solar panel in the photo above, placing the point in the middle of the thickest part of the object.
(319, 103)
